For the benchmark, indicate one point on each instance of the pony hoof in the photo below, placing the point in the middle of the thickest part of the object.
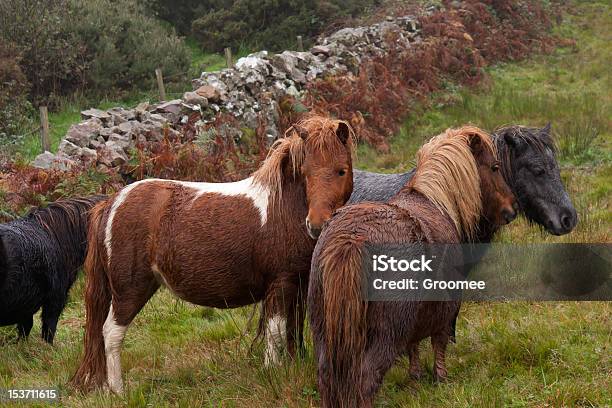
(415, 375)
(440, 375)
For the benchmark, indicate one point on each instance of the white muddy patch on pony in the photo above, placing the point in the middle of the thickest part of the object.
(276, 337)
(258, 194)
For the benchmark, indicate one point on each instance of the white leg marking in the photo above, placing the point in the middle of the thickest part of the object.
(113, 339)
(276, 336)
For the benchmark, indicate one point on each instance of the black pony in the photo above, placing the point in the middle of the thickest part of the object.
(530, 169)
(40, 256)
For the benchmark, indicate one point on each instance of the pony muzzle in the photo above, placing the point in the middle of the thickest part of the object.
(314, 228)
(562, 223)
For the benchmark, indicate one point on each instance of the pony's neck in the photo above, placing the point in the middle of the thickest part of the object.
(292, 207)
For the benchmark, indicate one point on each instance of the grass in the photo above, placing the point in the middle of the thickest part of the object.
(516, 354)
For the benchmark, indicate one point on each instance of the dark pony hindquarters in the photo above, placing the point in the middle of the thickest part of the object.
(40, 257)
(92, 370)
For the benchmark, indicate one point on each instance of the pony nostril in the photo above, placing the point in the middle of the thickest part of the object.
(308, 225)
(509, 215)
(566, 221)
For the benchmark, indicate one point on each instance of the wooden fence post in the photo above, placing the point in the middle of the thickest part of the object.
(44, 129)
(300, 43)
(160, 84)
(228, 57)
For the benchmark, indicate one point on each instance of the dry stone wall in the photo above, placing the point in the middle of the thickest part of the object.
(250, 89)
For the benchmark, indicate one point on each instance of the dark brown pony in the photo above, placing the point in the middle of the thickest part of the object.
(215, 244)
(456, 183)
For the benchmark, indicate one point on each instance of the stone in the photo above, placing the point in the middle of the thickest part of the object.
(123, 140)
(298, 76)
(96, 144)
(156, 117)
(209, 92)
(89, 155)
(118, 119)
(193, 98)
(292, 90)
(48, 160)
(142, 107)
(321, 50)
(44, 160)
(95, 113)
(114, 155)
(129, 127)
(285, 61)
(69, 149)
(253, 63)
(141, 110)
(105, 133)
(173, 106)
(259, 54)
(81, 133)
(127, 114)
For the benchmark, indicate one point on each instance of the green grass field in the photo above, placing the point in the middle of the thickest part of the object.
(516, 354)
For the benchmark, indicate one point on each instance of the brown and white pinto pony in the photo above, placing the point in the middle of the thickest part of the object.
(221, 245)
(455, 184)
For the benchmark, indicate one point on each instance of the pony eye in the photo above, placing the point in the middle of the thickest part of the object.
(495, 167)
(342, 172)
(538, 171)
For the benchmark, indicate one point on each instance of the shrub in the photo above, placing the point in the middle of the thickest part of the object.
(99, 45)
(51, 53)
(14, 106)
(124, 46)
(270, 24)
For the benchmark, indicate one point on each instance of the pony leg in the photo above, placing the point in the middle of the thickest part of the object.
(439, 343)
(126, 304)
(51, 312)
(379, 358)
(24, 327)
(296, 314)
(280, 299)
(415, 364)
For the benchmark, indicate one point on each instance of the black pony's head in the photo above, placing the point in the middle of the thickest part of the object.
(531, 170)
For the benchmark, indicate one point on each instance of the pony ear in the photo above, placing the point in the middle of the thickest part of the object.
(511, 139)
(546, 129)
(343, 132)
(475, 144)
(300, 131)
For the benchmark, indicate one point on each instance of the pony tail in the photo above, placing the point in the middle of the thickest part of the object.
(345, 327)
(92, 369)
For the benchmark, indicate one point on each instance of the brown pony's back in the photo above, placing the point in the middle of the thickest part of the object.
(357, 341)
